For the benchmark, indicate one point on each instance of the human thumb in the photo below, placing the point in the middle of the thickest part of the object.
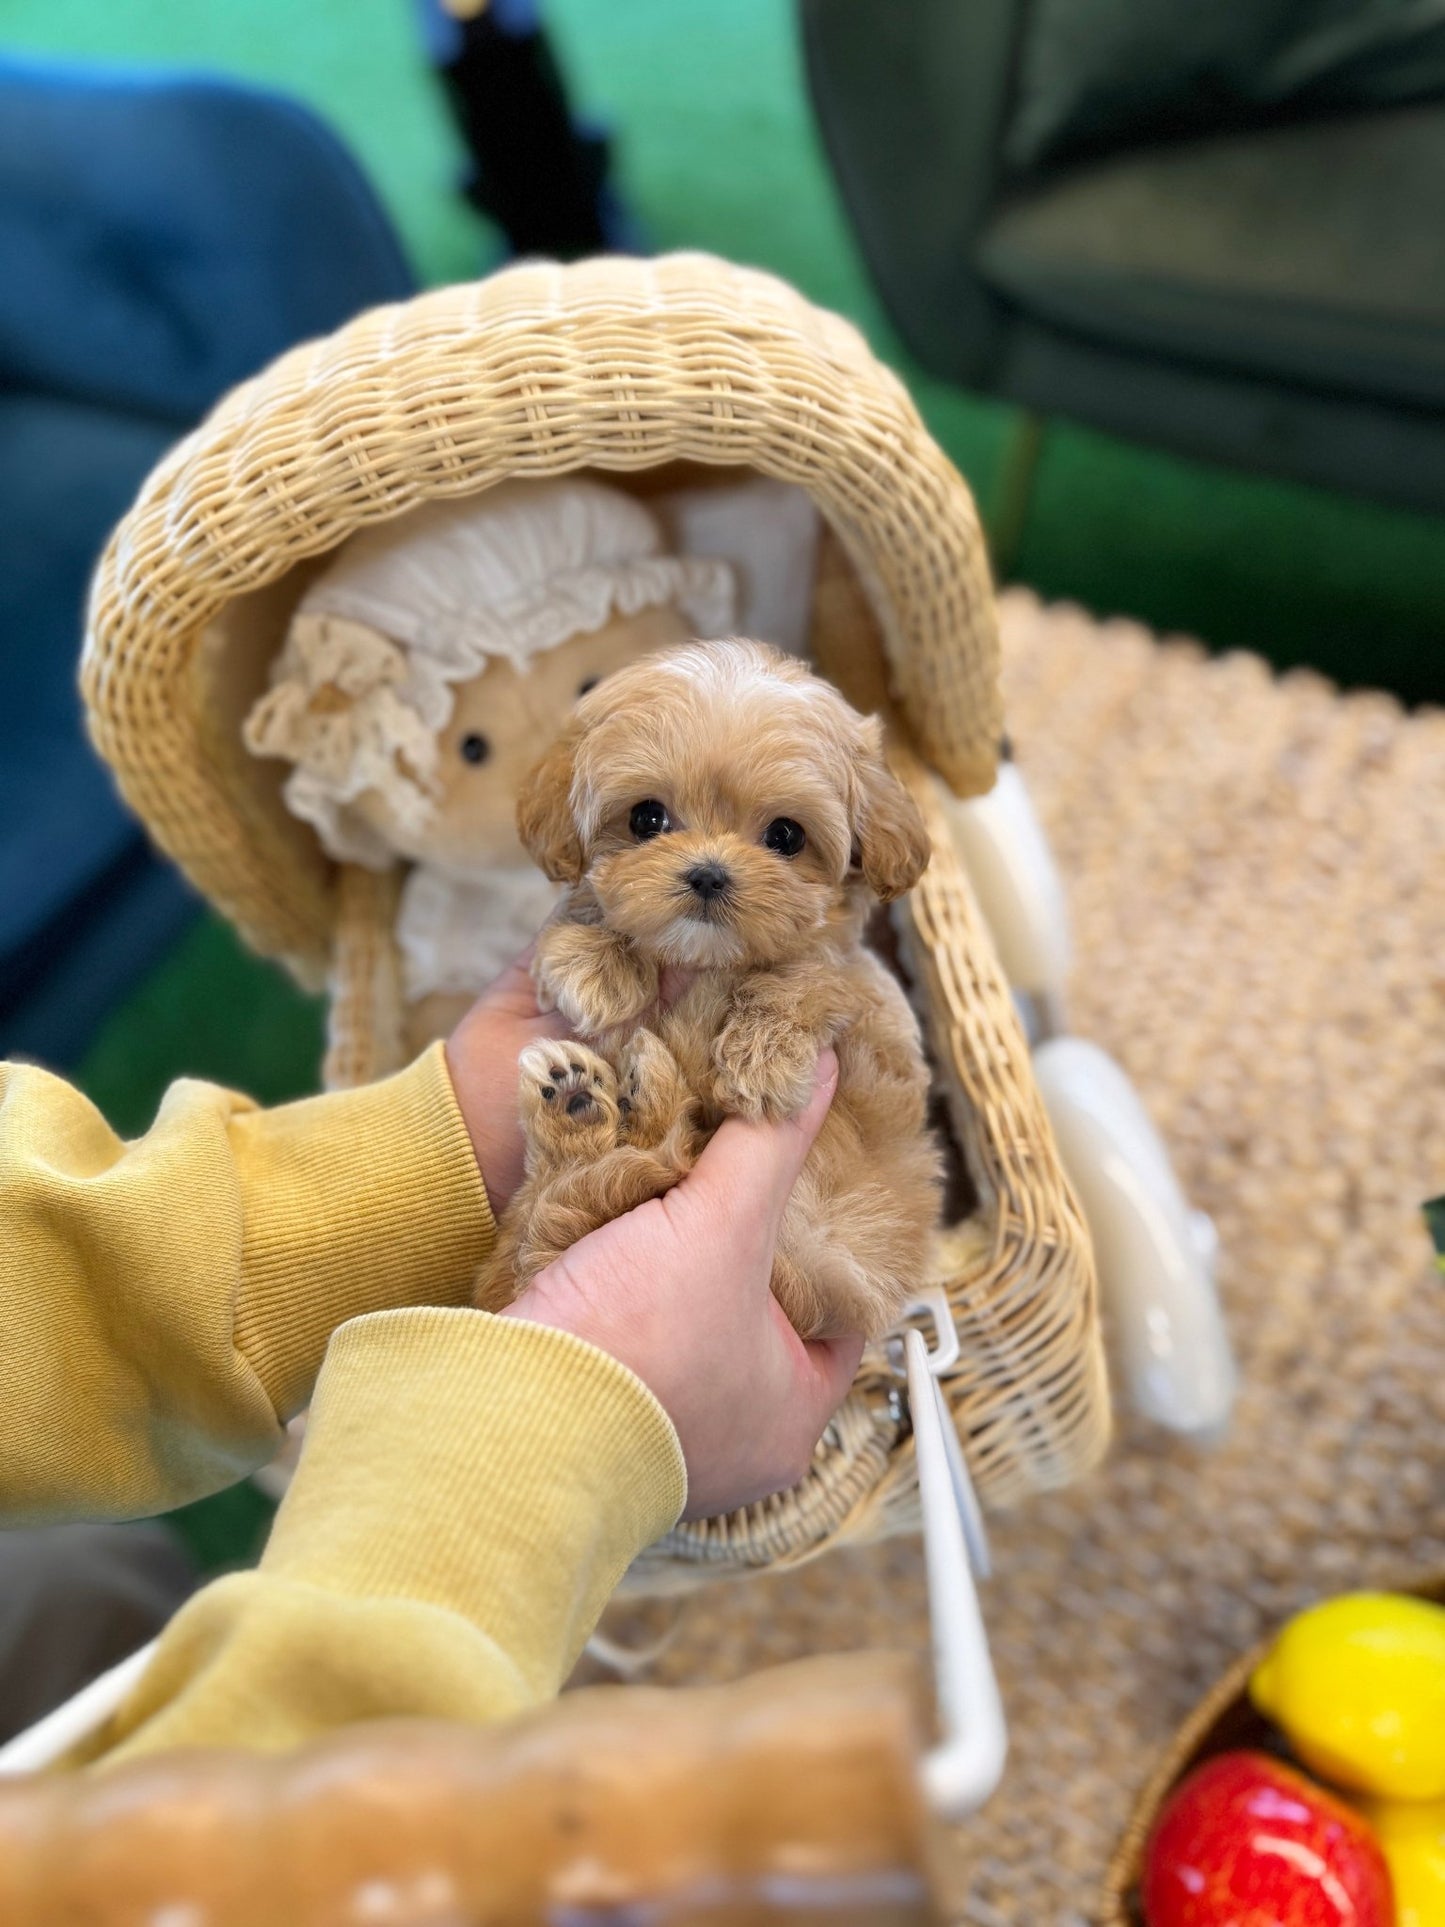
(755, 1165)
(832, 1367)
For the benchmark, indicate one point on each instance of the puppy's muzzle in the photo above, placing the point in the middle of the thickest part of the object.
(710, 883)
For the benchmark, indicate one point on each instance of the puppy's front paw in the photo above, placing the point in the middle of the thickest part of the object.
(593, 977)
(652, 1092)
(764, 1064)
(569, 1101)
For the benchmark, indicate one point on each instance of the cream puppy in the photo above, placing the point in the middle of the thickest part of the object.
(719, 812)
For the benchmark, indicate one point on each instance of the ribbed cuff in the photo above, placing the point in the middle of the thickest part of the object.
(502, 1469)
(352, 1203)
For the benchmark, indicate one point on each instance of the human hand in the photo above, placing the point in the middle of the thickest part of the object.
(482, 1055)
(679, 1291)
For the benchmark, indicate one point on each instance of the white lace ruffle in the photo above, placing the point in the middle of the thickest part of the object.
(519, 627)
(514, 571)
(363, 684)
(351, 712)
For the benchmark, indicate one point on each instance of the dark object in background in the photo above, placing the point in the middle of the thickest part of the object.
(1211, 225)
(160, 240)
(538, 173)
(76, 1600)
(1434, 1210)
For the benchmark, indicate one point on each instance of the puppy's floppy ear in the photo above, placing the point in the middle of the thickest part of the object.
(889, 833)
(544, 813)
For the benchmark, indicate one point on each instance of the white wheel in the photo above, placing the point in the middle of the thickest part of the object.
(1155, 1256)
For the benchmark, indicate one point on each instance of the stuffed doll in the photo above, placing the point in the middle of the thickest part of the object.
(427, 669)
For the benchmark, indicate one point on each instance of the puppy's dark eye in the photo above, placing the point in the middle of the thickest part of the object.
(474, 748)
(591, 683)
(784, 835)
(648, 819)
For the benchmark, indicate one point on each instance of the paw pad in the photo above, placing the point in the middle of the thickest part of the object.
(568, 1082)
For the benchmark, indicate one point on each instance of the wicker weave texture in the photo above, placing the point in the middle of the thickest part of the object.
(1254, 870)
(627, 366)
(1028, 1395)
(611, 364)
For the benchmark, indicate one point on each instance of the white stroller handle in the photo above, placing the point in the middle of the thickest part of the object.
(966, 1766)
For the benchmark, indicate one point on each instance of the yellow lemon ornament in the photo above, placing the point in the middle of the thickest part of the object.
(1413, 1838)
(1358, 1685)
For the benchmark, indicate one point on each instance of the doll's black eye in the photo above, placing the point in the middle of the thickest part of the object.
(784, 835)
(591, 683)
(648, 819)
(475, 749)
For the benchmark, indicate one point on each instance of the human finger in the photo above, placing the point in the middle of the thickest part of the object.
(512, 989)
(754, 1165)
(832, 1367)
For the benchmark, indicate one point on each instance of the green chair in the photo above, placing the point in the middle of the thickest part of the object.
(1217, 226)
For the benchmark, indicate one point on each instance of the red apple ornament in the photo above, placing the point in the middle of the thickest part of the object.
(1248, 1842)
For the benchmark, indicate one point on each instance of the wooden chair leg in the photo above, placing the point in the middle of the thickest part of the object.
(1014, 497)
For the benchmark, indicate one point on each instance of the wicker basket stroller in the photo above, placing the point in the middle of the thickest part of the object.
(641, 371)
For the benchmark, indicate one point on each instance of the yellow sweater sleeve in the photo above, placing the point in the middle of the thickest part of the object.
(471, 1490)
(165, 1304)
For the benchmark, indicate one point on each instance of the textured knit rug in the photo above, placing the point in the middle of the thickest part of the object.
(1256, 869)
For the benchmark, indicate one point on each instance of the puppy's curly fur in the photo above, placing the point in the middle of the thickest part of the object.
(719, 811)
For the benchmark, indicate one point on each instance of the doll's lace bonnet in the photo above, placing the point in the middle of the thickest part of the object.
(423, 602)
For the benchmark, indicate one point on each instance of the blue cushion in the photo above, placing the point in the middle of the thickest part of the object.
(160, 240)
(164, 238)
(68, 471)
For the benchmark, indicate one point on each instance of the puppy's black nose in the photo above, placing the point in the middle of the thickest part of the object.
(707, 880)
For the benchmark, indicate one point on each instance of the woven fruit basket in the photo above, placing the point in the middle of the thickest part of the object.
(1224, 1719)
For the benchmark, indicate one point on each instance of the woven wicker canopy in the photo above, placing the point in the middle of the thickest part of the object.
(609, 365)
(641, 370)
